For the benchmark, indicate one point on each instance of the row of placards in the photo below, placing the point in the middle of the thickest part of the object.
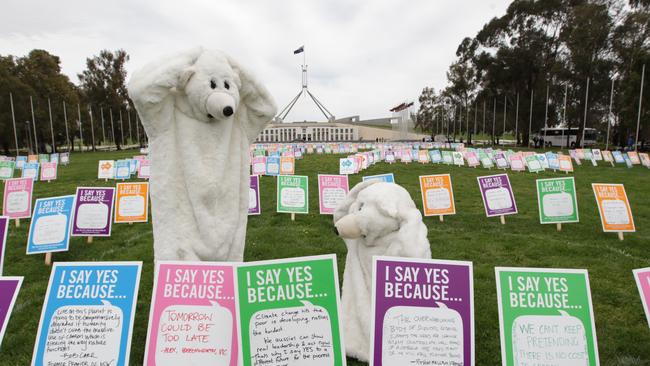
(87, 213)
(124, 169)
(48, 170)
(288, 312)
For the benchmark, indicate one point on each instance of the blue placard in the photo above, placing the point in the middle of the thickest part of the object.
(273, 165)
(553, 161)
(435, 156)
(49, 230)
(123, 169)
(133, 166)
(89, 310)
(618, 157)
(21, 161)
(54, 158)
(30, 170)
(388, 177)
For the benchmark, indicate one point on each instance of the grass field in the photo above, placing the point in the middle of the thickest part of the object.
(623, 333)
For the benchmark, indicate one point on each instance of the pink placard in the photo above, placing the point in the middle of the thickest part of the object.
(17, 202)
(332, 189)
(193, 319)
(642, 277)
(48, 171)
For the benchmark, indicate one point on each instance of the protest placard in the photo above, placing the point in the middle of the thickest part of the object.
(546, 317)
(273, 165)
(106, 169)
(193, 317)
(93, 211)
(517, 163)
(290, 304)
(614, 208)
(258, 164)
(437, 195)
(534, 166)
(292, 194)
(557, 200)
(254, 204)
(144, 169)
(17, 199)
(287, 165)
(9, 288)
(88, 310)
(332, 189)
(566, 165)
(642, 278)
(388, 177)
(497, 194)
(422, 312)
(346, 166)
(122, 169)
(132, 202)
(49, 171)
(49, 230)
(30, 170)
(7, 169)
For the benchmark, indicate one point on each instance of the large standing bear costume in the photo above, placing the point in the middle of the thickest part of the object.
(201, 111)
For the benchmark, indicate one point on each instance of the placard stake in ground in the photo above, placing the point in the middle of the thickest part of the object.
(614, 208)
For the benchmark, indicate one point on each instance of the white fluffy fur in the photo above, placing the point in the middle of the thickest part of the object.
(376, 218)
(199, 155)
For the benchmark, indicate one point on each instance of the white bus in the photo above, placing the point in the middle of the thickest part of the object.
(558, 136)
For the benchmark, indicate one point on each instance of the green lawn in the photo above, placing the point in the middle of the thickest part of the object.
(623, 333)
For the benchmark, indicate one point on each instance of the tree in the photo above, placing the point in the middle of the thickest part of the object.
(425, 115)
(103, 85)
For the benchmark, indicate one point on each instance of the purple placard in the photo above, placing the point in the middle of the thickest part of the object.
(254, 196)
(498, 198)
(415, 298)
(4, 227)
(93, 211)
(9, 287)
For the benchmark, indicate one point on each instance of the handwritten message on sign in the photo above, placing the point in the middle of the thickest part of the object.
(290, 312)
(88, 313)
(546, 317)
(437, 195)
(292, 194)
(423, 312)
(132, 202)
(193, 315)
(254, 204)
(557, 201)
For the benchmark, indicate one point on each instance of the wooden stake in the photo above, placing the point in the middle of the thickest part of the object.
(503, 219)
(442, 218)
(293, 216)
(48, 259)
(17, 222)
(90, 239)
(559, 226)
(620, 235)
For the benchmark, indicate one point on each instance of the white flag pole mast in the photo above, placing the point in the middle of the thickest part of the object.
(65, 120)
(13, 118)
(609, 116)
(49, 107)
(638, 118)
(31, 103)
(584, 121)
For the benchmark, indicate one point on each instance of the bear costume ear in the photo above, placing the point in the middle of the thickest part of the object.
(185, 76)
(343, 207)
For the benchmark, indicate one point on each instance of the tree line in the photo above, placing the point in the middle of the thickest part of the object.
(586, 56)
(51, 113)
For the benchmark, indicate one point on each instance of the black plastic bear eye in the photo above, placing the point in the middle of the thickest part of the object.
(226, 85)
(213, 84)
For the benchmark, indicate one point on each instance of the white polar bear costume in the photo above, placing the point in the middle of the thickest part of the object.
(376, 218)
(201, 111)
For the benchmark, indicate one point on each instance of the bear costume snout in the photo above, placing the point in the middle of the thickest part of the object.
(220, 105)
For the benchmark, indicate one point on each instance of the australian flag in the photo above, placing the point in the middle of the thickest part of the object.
(299, 50)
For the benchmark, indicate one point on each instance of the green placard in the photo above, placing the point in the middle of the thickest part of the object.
(292, 194)
(447, 157)
(546, 317)
(43, 158)
(557, 200)
(289, 312)
(7, 169)
(533, 164)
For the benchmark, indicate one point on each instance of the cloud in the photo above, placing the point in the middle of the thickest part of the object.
(364, 57)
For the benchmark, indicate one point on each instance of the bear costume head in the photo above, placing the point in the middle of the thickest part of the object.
(201, 110)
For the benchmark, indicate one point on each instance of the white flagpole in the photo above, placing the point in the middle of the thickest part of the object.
(545, 116)
(121, 127)
(517, 121)
(13, 118)
(530, 116)
(638, 118)
(81, 131)
(101, 113)
(584, 120)
(92, 128)
(110, 110)
(137, 127)
(566, 125)
(484, 116)
(128, 116)
(49, 107)
(31, 103)
(494, 120)
(65, 120)
(609, 116)
(505, 102)
(475, 116)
